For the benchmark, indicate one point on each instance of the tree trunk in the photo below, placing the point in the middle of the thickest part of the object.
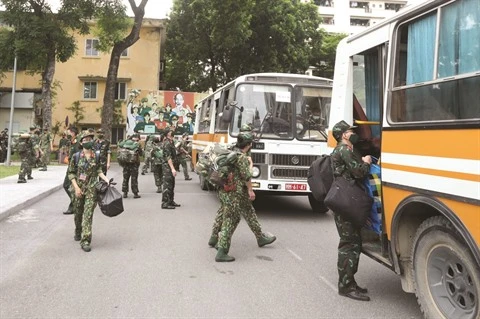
(47, 80)
(109, 97)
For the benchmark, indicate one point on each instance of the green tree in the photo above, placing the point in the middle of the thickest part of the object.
(39, 38)
(323, 55)
(210, 42)
(78, 112)
(112, 30)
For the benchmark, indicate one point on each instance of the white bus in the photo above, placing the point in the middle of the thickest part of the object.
(411, 83)
(289, 114)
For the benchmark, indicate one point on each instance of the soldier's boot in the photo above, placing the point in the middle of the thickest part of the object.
(135, 195)
(143, 173)
(188, 178)
(159, 189)
(125, 195)
(212, 241)
(77, 237)
(222, 256)
(29, 177)
(86, 248)
(21, 180)
(265, 240)
(167, 206)
(174, 204)
(43, 169)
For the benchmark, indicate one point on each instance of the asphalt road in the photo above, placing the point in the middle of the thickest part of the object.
(154, 263)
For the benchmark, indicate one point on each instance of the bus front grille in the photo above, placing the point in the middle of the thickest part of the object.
(290, 173)
(259, 158)
(292, 159)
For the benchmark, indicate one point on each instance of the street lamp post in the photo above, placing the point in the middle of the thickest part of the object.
(12, 107)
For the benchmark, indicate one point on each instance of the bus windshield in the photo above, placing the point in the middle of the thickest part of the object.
(268, 108)
(312, 107)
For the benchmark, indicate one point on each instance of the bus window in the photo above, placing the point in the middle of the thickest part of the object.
(312, 107)
(442, 91)
(204, 126)
(227, 96)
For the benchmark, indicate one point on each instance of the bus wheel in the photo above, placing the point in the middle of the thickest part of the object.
(447, 279)
(203, 183)
(317, 207)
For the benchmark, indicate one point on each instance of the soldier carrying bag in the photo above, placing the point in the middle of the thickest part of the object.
(349, 200)
(109, 199)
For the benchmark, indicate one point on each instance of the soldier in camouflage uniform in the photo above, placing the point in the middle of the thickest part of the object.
(169, 172)
(157, 160)
(24, 148)
(183, 156)
(74, 147)
(35, 152)
(130, 170)
(84, 176)
(148, 157)
(3, 145)
(347, 162)
(102, 146)
(46, 146)
(236, 199)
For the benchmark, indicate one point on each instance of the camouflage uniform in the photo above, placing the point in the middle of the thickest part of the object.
(183, 157)
(35, 152)
(347, 163)
(3, 145)
(148, 156)
(130, 170)
(168, 192)
(85, 172)
(74, 147)
(157, 159)
(24, 148)
(103, 148)
(45, 140)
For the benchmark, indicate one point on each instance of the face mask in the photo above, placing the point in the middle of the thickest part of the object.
(353, 138)
(100, 136)
(88, 145)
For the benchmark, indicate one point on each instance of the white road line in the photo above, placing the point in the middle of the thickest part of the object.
(294, 255)
(328, 283)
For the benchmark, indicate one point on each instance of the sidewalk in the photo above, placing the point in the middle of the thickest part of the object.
(14, 197)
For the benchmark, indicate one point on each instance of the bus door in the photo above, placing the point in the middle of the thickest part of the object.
(221, 124)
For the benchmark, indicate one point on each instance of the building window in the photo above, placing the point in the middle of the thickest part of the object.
(393, 6)
(120, 91)
(117, 134)
(124, 53)
(91, 47)
(90, 90)
(359, 22)
(323, 3)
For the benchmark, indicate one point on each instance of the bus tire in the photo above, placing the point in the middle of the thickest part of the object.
(446, 277)
(203, 183)
(317, 207)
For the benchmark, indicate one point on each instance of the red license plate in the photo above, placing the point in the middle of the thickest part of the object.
(296, 187)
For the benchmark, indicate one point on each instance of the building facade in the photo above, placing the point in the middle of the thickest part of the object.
(81, 81)
(343, 16)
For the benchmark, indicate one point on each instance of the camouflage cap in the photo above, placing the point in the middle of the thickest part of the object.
(246, 128)
(245, 138)
(33, 126)
(100, 131)
(85, 134)
(340, 128)
(136, 135)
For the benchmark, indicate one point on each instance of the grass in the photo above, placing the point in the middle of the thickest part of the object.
(6, 171)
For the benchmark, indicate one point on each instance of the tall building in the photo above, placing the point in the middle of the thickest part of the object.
(343, 16)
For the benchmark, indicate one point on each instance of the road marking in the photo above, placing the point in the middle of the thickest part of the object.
(25, 215)
(328, 283)
(294, 255)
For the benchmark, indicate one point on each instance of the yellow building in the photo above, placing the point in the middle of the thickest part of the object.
(82, 78)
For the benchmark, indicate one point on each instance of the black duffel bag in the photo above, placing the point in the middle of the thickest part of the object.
(109, 200)
(349, 200)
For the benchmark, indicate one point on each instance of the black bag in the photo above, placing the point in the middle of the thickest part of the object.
(320, 177)
(349, 200)
(110, 202)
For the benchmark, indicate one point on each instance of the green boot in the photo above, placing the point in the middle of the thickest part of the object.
(213, 241)
(265, 240)
(222, 256)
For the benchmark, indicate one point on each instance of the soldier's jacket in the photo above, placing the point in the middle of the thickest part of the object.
(239, 176)
(24, 147)
(45, 139)
(169, 151)
(103, 146)
(85, 172)
(348, 163)
(157, 154)
(74, 147)
(182, 149)
(35, 141)
(148, 147)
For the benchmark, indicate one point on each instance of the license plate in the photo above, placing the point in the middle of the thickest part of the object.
(296, 187)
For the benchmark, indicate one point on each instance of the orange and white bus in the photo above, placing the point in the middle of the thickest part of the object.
(289, 114)
(411, 83)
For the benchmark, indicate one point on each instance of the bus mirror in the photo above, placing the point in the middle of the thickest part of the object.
(228, 111)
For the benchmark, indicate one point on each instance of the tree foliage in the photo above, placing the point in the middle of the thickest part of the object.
(210, 42)
(323, 56)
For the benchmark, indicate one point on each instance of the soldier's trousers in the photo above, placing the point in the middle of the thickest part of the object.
(157, 174)
(183, 163)
(83, 208)
(246, 211)
(168, 191)
(349, 250)
(24, 168)
(66, 187)
(130, 171)
(231, 218)
(45, 159)
(146, 165)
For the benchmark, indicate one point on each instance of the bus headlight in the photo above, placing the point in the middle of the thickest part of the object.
(255, 172)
